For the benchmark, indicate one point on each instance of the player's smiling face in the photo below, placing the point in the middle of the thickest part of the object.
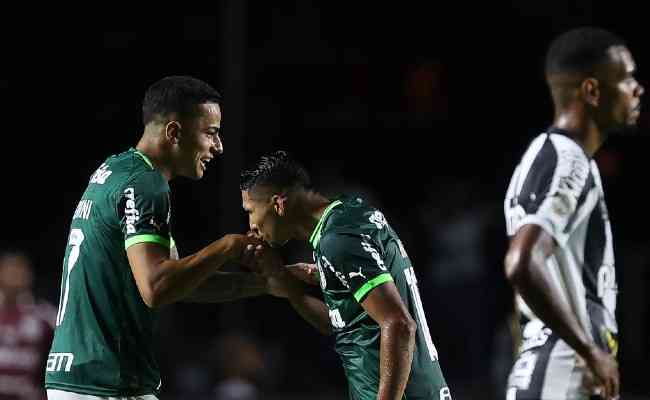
(620, 92)
(265, 216)
(199, 141)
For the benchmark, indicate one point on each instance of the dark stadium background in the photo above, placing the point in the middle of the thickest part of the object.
(424, 111)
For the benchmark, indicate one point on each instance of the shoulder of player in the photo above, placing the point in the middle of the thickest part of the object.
(572, 166)
(335, 240)
(554, 155)
(567, 150)
(123, 168)
(350, 217)
(150, 179)
(134, 170)
(342, 240)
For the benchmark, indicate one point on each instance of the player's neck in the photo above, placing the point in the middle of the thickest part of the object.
(581, 128)
(152, 148)
(314, 204)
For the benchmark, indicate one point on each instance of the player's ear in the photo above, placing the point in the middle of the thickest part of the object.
(173, 131)
(279, 204)
(590, 91)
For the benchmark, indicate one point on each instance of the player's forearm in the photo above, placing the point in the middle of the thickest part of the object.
(533, 283)
(176, 279)
(396, 356)
(312, 310)
(228, 286)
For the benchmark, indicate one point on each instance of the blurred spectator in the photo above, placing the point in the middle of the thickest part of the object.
(241, 365)
(26, 329)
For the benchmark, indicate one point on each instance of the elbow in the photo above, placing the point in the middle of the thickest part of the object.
(411, 327)
(152, 301)
(516, 264)
(403, 326)
(152, 295)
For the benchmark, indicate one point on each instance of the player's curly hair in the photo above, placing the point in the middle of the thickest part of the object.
(579, 50)
(176, 94)
(277, 169)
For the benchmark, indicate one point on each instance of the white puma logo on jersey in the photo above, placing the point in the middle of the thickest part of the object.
(353, 274)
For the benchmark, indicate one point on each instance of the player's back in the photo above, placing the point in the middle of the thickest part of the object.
(103, 339)
(357, 251)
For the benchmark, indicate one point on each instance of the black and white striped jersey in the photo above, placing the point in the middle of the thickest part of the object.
(558, 187)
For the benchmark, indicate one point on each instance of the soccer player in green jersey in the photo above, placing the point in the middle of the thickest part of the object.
(372, 303)
(121, 262)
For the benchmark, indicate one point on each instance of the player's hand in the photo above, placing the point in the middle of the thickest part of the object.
(307, 273)
(262, 259)
(604, 378)
(237, 243)
(248, 257)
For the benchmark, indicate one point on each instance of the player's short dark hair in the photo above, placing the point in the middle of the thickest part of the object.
(579, 50)
(176, 94)
(278, 170)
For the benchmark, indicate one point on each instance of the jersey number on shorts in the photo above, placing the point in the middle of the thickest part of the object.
(422, 320)
(76, 238)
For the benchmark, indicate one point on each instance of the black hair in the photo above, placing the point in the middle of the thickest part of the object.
(580, 51)
(176, 94)
(277, 169)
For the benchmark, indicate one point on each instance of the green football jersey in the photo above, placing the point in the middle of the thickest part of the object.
(103, 342)
(356, 250)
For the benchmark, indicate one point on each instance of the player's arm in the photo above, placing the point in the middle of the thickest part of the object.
(306, 272)
(385, 306)
(525, 265)
(526, 270)
(311, 309)
(228, 286)
(281, 282)
(162, 280)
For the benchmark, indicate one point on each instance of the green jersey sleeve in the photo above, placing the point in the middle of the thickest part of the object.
(356, 260)
(143, 209)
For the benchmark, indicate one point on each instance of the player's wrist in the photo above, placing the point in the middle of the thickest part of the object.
(590, 352)
(234, 246)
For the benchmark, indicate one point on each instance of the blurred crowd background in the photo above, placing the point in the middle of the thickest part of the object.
(423, 110)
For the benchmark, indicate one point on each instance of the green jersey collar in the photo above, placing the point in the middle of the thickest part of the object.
(315, 235)
(145, 158)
